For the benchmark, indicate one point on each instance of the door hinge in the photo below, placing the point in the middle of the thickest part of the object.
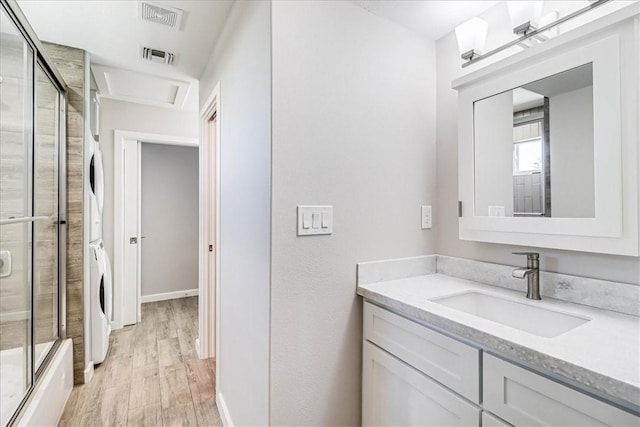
(210, 248)
(459, 208)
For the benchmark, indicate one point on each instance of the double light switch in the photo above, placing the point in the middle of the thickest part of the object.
(314, 220)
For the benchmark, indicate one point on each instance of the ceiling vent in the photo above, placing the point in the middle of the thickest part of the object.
(159, 56)
(169, 16)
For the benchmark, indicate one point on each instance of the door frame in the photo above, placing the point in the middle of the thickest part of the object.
(208, 343)
(120, 139)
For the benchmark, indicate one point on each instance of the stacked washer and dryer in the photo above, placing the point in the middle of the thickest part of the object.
(101, 290)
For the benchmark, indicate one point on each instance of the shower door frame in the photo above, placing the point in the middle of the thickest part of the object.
(41, 59)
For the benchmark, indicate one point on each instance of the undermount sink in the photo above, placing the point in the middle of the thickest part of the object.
(519, 315)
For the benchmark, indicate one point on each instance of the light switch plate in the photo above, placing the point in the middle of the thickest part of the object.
(315, 220)
(427, 218)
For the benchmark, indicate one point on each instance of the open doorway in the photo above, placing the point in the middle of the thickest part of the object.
(169, 222)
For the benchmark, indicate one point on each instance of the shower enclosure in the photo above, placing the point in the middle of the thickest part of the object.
(32, 211)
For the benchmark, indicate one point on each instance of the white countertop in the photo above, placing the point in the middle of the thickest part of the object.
(602, 354)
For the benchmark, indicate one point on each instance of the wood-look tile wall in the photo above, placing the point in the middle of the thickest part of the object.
(70, 63)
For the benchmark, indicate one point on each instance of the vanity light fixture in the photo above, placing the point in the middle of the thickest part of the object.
(525, 16)
(528, 25)
(471, 37)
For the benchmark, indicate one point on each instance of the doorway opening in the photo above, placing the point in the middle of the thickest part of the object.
(167, 228)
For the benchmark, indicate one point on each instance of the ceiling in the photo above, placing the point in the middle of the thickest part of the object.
(431, 18)
(113, 35)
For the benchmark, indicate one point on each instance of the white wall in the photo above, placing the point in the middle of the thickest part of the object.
(608, 267)
(169, 218)
(120, 115)
(493, 147)
(571, 130)
(242, 64)
(353, 127)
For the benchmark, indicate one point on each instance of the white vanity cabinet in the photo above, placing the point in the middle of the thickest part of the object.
(525, 398)
(416, 376)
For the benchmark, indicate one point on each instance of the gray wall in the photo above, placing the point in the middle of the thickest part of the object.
(572, 190)
(353, 127)
(242, 64)
(169, 202)
(607, 267)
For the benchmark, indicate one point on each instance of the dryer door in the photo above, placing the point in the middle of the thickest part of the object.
(108, 288)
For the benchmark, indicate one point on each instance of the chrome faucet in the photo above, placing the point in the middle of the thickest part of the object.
(532, 273)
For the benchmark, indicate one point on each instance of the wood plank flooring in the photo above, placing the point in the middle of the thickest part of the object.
(151, 376)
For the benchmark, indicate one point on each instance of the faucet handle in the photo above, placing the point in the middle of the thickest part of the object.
(530, 255)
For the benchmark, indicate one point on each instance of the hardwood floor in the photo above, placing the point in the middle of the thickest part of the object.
(151, 376)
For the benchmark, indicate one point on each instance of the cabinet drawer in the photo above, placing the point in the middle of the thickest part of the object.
(394, 394)
(452, 363)
(522, 397)
(490, 420)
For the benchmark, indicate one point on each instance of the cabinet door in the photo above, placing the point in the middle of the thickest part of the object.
(490, 420)
(450, 362)
(395, 394)
(524, 398)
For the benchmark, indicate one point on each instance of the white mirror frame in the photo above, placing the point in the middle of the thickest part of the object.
(611, 44)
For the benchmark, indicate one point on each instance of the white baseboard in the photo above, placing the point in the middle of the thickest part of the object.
(88, 373)
(198, 348)
(169, 295)
(224, 412)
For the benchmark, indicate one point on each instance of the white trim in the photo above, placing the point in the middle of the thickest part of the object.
(119, 139)
(169, 295)
(209, 301)
(197, 344)
(88, 372)
(225, 416)
(139, 245)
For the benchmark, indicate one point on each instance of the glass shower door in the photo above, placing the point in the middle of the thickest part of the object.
(31, 184)
(16, 226)
(45, 211)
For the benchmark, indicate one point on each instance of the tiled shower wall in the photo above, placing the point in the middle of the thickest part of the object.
(70, 62)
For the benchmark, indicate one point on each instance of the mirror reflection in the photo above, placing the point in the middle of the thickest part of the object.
(534, 152)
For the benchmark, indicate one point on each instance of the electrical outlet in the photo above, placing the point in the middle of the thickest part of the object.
(427, 218)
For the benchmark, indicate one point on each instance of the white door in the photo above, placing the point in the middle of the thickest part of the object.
(131, 258)
(395, 394)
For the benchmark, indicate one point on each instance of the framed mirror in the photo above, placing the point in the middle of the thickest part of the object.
(548, 143)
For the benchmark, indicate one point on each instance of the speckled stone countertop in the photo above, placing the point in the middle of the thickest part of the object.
(601, 356)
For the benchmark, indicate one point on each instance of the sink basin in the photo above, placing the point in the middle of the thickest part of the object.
(519, 315)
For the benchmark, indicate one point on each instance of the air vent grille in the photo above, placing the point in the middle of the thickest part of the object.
(169, 16)
(156, 55)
